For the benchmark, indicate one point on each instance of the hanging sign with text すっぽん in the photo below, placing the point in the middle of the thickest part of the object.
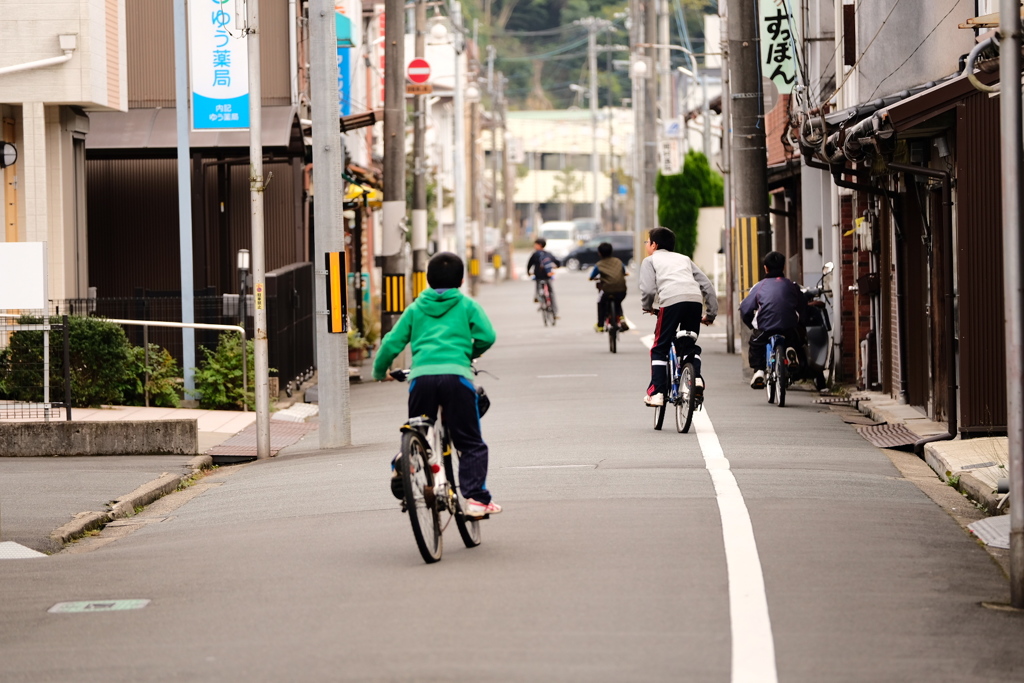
(777, 62)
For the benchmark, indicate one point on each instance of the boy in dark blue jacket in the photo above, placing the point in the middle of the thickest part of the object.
(775, 305)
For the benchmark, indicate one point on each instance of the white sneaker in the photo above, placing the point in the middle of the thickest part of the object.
(757, 381)
(478, 510)
(655, 401)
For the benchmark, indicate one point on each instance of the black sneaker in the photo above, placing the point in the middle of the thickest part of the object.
(397, 488)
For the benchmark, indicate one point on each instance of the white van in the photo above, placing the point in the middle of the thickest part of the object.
(560, 236)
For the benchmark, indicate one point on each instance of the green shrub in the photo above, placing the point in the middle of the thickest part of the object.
(102, 363)
(681, 196)
(219, 375)
(164, 378)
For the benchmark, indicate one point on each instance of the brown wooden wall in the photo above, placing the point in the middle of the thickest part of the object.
(979, 257)
(151, 52)
(133, 221)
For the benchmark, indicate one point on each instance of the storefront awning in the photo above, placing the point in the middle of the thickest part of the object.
(927, 104)
(157, 129)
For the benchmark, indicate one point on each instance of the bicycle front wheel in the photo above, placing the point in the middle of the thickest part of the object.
(420, 501)
(659, 416)
(684, 406)
(468, 528)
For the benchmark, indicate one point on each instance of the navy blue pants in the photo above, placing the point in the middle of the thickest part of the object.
(457, 397)
(682, 316)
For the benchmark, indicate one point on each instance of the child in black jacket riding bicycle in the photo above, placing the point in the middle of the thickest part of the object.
(775, 305)
(446, 331)
(610, 274)
(683, 292)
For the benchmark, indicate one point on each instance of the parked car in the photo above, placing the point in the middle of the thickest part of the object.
(560, 236)
(586, 228)
(585, 256)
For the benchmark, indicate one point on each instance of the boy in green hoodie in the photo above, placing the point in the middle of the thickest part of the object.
(446, 331)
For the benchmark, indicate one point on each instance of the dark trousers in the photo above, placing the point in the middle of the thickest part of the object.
(682, 316)
(457, 397)
(759, 342)
(603, 306)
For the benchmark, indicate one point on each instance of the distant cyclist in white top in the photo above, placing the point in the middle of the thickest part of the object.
(683, 292)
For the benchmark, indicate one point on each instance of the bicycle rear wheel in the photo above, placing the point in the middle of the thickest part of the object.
(468, 528)
(781, 376)
(612, 324)
(685, 404)
(420, 502)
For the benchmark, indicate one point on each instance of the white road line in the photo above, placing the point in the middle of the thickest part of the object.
(753, 645)
(546, 467)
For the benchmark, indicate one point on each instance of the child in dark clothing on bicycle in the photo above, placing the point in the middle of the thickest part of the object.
(446, 331)
(611, 276)
(775, 305)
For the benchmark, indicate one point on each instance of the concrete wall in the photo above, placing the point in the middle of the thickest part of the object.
(881, 64)
(95, 75)
(167, 437)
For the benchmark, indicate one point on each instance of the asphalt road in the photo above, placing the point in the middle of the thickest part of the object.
(622, 554)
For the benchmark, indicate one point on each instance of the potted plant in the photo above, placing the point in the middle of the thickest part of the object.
(356, 348)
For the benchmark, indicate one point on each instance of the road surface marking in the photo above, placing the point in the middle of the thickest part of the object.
(753, 645)
(561, 376)
(545, 467)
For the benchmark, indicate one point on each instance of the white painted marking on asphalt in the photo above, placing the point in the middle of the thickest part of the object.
(561, 376)
(753, 645)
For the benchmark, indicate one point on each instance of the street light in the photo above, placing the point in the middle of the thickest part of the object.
(242, 264)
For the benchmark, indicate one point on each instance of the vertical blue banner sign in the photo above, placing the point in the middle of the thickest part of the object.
(218, 66)
(343, 31)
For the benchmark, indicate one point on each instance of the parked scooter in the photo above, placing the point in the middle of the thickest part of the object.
(818, 350)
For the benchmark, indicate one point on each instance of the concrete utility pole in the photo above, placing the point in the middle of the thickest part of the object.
(650, 123)
(636, 37)
(474, 195)
(508, 178)
(749, 155)
(328, 162)
(259, 267)
(1013, 258)
(730, 283)
(460, 135)
(419, 181)
(393, 233)
(593, 25)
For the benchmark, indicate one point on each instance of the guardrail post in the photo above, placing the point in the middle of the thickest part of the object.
(67, 370)
(145, 345)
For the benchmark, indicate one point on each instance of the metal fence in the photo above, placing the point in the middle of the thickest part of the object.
(34, 366)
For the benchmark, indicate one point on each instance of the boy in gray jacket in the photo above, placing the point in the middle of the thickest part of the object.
(682, 291)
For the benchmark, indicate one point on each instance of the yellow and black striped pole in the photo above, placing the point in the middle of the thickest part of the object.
(393, 297)
(746, 255)
(337, 293)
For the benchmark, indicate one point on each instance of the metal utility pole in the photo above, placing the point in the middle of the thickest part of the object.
(188, 334)
(419, 181)
(393, 232)
(1013, 258)
(328, 162)
(650, 124)
(460, 135)
(730, 286)
(749, 155)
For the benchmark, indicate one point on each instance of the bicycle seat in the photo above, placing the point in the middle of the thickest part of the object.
(686, 333)
(418, 422)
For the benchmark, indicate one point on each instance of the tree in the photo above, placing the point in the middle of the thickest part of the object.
(681, 196)
(567, 184)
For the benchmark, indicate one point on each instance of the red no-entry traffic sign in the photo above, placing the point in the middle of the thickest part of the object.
(418, 71)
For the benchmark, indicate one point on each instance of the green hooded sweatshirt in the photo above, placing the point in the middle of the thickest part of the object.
(447, 331)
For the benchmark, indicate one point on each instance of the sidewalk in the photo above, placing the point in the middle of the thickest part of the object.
(46, 502)
(972, 466)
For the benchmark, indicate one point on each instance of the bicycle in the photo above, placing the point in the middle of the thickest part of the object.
(547, 306)
(429, 489)
(681, 393)
(776, 374)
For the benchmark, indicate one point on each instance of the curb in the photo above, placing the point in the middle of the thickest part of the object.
(978, 491)
(85, 522)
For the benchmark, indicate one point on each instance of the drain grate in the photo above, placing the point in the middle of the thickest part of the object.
(861, 420)
(242, 446)
(888, 435)
(833, 400)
